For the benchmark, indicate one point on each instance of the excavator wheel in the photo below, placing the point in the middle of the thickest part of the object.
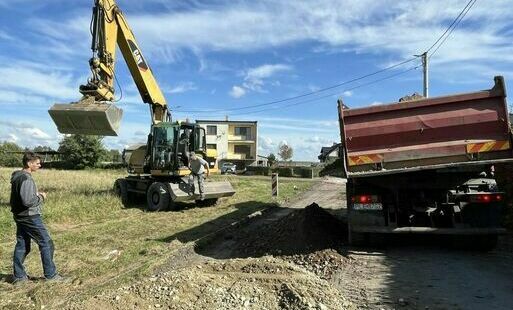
(121, 190)
(158, 197)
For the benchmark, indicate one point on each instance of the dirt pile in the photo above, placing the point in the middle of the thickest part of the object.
(263, 283)
(300, 232)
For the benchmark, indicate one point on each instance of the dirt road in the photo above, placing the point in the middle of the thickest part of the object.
(296, 257)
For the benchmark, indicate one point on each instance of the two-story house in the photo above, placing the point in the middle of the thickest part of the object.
(235, 141)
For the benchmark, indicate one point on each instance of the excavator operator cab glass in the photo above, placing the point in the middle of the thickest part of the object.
(163, 147)
(200, 142)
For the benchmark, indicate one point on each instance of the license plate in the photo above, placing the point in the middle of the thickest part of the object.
(368, 206)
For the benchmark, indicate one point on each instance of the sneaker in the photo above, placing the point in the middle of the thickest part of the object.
(58, 278)
(19, 281)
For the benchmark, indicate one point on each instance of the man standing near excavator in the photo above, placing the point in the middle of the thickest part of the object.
(197, 165)
(26, 206)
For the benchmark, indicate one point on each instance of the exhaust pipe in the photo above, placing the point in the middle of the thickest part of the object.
(87, 117)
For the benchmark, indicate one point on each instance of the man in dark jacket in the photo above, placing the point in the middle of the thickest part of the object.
(26, 206)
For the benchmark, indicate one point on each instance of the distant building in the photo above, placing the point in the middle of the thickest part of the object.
(234, 141)
(330, 153)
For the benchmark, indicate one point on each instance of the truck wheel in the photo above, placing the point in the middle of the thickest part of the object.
(158, 197)
(121, 190)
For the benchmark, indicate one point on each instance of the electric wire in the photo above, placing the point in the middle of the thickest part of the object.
(321, 97)
(310, 93)
(456, 25)
(334, 94)
(437, 44)
(455, 21)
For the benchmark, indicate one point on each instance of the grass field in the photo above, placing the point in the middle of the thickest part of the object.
(99, 242)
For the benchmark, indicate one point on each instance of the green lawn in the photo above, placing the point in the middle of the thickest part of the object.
(98, 241)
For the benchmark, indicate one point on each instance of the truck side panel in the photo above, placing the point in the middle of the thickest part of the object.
(439, 130)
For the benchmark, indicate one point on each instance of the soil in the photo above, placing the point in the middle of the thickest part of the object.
(296, 257)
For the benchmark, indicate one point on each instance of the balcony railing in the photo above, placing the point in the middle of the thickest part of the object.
(241, 138)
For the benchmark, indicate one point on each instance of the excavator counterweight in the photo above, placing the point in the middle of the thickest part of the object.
(87, 117)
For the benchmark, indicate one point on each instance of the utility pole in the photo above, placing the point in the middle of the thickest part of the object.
(426, 74)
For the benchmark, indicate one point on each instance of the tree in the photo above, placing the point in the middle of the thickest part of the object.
(286, 152)
(81, 151)
(112, 155)
(271, 159)
(42, 148)
(10, 154)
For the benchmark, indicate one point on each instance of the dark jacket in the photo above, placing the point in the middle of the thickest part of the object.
(24, 198)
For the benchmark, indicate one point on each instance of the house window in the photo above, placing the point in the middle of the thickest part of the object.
(241, 131)
(211, 130)
(211, 146)
(243, 149)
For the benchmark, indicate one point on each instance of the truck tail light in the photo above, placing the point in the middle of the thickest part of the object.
(485, 198)
(365, 198)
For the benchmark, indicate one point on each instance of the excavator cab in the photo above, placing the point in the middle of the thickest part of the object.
(172, 143)
(87, 117)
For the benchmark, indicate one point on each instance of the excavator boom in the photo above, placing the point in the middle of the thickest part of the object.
(95, 113)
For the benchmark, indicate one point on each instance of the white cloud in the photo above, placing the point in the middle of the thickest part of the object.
(376, 103)
(266, 146)
(237, 91)
(347, 93)
(318, 140)
(357, 26)
(265, 71)
(182, 88)
(5, 36)
(10, 138)
(26, 134)
(254, 79)
(32, 83)
(36, 133)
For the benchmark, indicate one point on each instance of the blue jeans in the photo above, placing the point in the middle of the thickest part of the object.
(27, 228)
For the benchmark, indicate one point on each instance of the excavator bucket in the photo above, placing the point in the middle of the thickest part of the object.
(87, 117)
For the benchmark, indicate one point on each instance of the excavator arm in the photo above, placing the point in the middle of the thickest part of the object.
(95, 113)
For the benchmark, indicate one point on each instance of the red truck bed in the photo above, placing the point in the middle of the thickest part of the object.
(449, 130)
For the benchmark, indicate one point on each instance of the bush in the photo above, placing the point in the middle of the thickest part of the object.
(81, 151)
(258, 170)
(10, 154)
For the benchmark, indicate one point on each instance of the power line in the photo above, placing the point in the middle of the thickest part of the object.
(455, 21)
(442, 39)
(456, 25)
(333, 94)
(307, 94)
(325, 96)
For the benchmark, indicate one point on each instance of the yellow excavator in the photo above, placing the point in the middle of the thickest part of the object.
(157, 169)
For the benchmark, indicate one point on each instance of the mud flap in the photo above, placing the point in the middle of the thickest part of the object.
(182, 191)
(87, 117)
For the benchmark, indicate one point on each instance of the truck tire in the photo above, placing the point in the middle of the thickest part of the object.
(158, 197)
(121, 190)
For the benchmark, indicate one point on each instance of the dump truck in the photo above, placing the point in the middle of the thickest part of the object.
(159, 169)
(427, 166)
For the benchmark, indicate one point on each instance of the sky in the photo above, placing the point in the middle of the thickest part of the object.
(214, 59)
